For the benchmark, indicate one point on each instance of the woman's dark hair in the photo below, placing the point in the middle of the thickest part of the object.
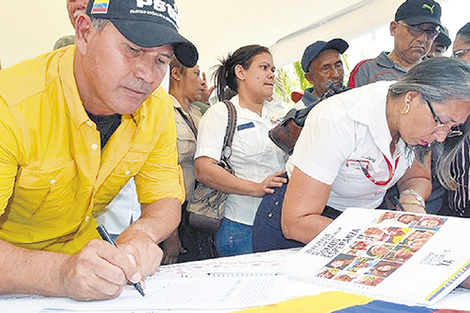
(224, 75)
(464, 32)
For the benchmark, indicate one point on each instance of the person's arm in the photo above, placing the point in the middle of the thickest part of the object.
(466, 283)
(303, 204)
(159, 189)
(212, 128)
(207, 91)
(158, 220)
(98, 271)
(359, 75)
(214, 176)
(417, 180)
(172, 248)
(324, 144)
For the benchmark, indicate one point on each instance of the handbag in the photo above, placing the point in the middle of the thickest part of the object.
(286, 133)
(206, 205)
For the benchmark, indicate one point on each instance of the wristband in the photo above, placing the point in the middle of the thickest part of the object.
(418, 197)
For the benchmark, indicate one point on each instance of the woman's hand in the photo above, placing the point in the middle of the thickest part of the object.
(172, 248)
(414, 208)
(273, 180)
(214, 176)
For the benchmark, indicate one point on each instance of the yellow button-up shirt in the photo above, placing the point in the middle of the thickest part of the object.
(53, 174)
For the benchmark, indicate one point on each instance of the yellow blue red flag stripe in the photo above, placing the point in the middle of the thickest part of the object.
(100, 7)
(341, 302)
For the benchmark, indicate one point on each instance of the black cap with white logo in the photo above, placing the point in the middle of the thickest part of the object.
(147, 23)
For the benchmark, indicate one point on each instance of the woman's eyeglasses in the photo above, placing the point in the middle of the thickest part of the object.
(442, 127)
(460, 53)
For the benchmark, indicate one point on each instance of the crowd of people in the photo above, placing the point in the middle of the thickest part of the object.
(89, 136)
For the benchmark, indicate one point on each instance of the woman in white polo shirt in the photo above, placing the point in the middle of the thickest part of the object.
(257, 161)
(357, 144)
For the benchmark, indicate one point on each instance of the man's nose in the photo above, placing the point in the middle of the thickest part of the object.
(335, 73)
(146, 69)
(423, 37)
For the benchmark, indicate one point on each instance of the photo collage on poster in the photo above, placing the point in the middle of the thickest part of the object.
(382, 248)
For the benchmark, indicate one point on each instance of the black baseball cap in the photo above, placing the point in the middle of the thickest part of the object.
(312, 51)
(147, 24)
(415, 12)
(443, 37)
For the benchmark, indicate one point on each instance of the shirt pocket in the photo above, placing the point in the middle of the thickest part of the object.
(186, 145)
(128, 167)
(45, 192)
(132, 162)
(249, 140)
(353, 169)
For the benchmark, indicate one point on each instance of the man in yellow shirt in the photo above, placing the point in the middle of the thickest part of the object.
(76, 124)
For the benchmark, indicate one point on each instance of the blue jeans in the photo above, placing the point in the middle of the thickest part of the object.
(233, 238)
(267, 231)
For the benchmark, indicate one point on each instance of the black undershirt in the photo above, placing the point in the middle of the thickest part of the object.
(106, 125)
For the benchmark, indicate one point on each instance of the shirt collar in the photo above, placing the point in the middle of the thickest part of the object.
(69, 86)
(373, 114)
(176, 103)
(384, 61)
(308, 97)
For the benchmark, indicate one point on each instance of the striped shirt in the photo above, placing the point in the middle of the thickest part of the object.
(458, 200)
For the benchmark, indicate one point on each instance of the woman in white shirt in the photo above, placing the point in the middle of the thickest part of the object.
(357, 144)
(257, 161)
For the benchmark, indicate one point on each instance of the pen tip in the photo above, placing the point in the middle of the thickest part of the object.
(139, 289)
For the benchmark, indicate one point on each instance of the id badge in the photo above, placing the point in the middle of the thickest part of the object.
(358, 164)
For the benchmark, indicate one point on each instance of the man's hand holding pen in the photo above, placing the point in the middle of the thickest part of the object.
(98, 271)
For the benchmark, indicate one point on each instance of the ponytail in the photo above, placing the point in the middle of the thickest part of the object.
(224, 74)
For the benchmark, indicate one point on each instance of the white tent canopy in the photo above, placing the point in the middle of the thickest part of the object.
(286, 27)
(216, 27)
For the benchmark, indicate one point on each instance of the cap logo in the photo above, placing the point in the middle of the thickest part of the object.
(428, 7)
(160, 7)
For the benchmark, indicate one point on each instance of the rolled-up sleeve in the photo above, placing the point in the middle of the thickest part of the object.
(159, 177)
(9, 151)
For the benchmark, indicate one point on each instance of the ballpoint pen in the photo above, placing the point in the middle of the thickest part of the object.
(105, 235)
(396, 203)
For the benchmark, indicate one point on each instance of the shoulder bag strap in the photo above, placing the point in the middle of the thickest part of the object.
(230, 130)
(189, 121)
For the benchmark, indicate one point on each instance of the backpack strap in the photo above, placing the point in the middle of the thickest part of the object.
(230, 130)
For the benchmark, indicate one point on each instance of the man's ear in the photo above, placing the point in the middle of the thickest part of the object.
(309, 77)
(84, 31)
(74, 7)
(393, 28)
